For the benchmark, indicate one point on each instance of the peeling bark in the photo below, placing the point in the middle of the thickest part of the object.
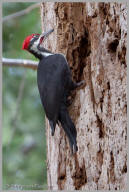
(93, 36)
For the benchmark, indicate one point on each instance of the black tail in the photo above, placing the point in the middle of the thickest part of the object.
(68, 127)
(52, 125)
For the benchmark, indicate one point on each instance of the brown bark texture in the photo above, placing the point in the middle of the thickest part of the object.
(93, 37)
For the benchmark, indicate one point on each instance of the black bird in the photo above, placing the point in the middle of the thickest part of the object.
(54, 84)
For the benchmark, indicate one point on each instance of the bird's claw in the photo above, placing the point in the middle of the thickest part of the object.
(80, 83)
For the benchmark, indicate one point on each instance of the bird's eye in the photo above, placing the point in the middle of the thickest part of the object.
(36, 36)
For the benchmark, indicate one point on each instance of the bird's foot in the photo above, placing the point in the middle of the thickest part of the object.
(80, 83)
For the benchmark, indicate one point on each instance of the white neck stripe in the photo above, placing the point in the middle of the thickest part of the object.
(34, 47)
(45, 54)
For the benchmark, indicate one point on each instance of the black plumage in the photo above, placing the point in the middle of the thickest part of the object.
(54, 84)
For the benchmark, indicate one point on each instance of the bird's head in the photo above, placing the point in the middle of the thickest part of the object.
(33, 42)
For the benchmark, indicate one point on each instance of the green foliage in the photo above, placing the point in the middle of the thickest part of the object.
(24, 141)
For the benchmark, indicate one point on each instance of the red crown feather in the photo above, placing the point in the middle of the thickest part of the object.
(26, 42)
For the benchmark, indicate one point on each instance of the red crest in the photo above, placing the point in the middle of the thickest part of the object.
(27, 40)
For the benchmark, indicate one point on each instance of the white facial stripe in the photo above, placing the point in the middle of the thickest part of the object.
(46, 54)
(34, 48)
(35, 44)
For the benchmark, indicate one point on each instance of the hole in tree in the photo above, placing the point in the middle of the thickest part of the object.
(113, 46)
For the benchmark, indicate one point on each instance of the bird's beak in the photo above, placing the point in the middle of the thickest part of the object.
(44, 35)
(47, 33)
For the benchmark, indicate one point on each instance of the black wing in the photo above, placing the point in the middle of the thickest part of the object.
(53, 82)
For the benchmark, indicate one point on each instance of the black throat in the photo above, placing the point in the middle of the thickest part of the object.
(41, 53)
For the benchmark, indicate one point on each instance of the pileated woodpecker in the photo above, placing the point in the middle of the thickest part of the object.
(54, 84)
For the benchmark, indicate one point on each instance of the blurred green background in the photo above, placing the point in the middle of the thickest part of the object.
(24, 140)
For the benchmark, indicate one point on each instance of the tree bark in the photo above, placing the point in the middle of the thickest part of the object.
(93, 36)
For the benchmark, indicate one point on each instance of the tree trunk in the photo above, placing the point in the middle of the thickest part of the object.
(93, 36)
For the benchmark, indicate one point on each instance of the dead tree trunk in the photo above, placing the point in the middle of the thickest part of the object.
(93, 36)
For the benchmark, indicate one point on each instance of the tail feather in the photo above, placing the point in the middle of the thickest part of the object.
(69, 128)
(52, 125)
